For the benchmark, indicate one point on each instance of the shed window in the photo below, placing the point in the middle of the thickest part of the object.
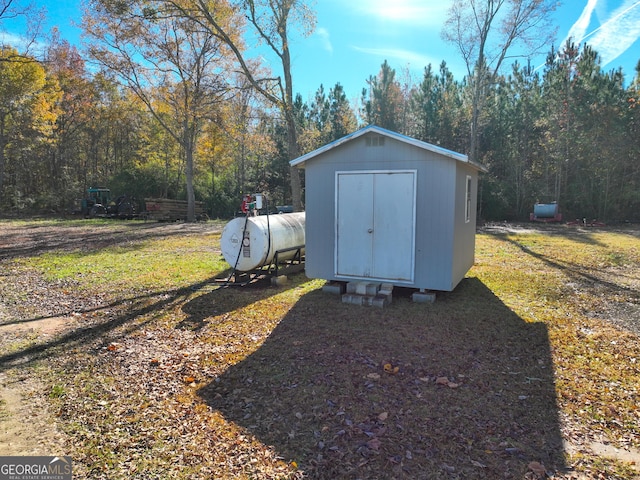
(375, 141)
(467, 209)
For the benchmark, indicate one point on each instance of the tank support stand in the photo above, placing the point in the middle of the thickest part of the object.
(273, 269)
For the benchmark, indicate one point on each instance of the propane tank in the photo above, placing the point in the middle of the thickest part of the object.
(545, 210)
(251, 242)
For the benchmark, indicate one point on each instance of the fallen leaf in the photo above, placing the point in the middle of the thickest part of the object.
(374, 444)
(391, 369)
(538, 469)
(447, 382)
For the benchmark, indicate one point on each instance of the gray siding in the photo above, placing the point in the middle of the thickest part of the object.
(444, 241)
(464, 232)
(319, 223)
(434, 227)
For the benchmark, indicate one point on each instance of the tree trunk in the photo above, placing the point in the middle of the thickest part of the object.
(3, 143)
(296, 184)
(292, 136)
(191, 197)
(479, 93)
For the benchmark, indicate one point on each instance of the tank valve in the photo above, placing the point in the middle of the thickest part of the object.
(252, 203)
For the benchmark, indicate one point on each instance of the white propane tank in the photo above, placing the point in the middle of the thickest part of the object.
(263, 237)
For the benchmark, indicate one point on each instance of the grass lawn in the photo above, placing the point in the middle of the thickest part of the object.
(150, 369)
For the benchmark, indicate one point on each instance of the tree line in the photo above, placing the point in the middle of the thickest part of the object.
(172, 107)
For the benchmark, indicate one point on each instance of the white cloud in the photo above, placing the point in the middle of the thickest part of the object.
(579, 29)
(325, 39)
(618, 33)
(618, 30)
(11, 39)
(406, 57)
(21, 43)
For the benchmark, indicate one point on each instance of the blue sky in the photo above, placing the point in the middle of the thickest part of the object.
(354, 37)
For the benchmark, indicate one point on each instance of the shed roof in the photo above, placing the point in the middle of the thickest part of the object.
(300, 161)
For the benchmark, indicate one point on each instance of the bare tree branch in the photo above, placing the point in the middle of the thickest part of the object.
(167, 61)
(485, 31)
(269, 20)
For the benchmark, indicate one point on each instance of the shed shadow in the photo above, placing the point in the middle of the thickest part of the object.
(473, 395)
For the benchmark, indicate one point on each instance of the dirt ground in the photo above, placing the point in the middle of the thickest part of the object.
(27, 427)
(625, 315)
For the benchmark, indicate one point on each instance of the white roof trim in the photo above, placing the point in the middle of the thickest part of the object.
(387, 133)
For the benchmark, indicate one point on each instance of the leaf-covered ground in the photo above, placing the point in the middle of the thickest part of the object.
(150, 368)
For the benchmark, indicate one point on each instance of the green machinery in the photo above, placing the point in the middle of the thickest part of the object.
(98, 203)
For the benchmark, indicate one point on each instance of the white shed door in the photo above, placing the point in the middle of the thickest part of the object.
(375, 225)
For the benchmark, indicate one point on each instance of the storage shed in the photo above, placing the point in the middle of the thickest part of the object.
(385, 207)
